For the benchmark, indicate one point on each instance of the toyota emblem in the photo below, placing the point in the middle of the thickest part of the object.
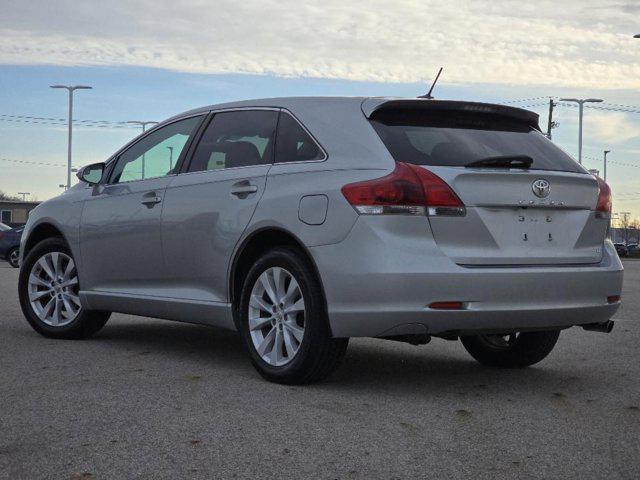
(541, 188)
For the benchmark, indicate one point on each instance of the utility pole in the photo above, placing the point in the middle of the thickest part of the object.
(142, 124)
(581, 103)
(70, 89)
(625, 224)
(550, 123)
(24, 195)
(605, 164)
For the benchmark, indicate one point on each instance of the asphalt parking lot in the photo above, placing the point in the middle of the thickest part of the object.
(154, 399)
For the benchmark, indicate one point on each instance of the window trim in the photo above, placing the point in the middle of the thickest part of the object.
(298, 162)
(112, 162)
(184, 169)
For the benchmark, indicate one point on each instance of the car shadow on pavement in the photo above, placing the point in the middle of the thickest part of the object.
(368, 363)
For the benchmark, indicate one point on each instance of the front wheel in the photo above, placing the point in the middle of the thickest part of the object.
(14, 257)
(283, 320)
(48, 288)
(513, 350)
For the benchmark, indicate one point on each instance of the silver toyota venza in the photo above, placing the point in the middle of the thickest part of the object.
(301, 222)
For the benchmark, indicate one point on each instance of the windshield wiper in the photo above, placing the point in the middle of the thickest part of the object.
(505, 161)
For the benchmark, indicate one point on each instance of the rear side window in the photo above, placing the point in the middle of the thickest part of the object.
(294, 144)
(236, 139)
(456, 139)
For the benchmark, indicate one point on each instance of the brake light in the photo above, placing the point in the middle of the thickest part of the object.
(604, 197)
(446, 305)
(409, 189)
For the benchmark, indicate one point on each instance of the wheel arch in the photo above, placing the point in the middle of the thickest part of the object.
(255, 245)
(40, 232)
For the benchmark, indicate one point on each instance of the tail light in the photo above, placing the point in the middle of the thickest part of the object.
(408, 190)
(603, 207)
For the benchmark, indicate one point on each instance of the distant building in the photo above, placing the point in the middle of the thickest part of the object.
(15, 212)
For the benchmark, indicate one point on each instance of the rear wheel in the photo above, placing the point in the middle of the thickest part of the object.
(48, 289)
(514, 350)
(283, 320)
(13, 257)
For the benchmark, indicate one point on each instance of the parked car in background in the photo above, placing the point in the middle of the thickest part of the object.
(621, 248)
(10, 244)
(633, 249)
(302, 222)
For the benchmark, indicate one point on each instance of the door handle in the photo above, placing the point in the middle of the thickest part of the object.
(151, 200)
(243, 188)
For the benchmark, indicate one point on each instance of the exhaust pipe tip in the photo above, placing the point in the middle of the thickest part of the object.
(605, 327)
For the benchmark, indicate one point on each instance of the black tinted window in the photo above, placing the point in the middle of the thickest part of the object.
(457, 139)
(156, 154)
(294, 143)
(236, 139)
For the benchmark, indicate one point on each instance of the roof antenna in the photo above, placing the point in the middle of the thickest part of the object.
(428, 95)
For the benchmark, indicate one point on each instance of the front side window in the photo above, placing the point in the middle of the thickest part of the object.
(157, 154)
(236, 139)
(294, 143)
(6, 216)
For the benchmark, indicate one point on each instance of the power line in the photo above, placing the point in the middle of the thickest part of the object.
(523, 100)
(33, 117)
(29, 162)
(78, 124)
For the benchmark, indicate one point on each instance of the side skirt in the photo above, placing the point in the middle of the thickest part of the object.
(215, 314)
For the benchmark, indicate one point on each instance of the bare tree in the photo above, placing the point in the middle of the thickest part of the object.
(4, 196)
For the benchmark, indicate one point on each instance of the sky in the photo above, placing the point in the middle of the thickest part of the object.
(148, 60)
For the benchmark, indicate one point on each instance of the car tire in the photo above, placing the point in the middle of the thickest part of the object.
(285, 328)
(13, 257)
(518, 351)
(41, 282)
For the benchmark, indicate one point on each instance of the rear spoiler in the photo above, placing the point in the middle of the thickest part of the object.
(372, 105)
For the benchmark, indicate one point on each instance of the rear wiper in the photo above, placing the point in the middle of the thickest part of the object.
(505, 161)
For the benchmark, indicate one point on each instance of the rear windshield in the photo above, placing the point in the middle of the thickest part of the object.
(455, 139)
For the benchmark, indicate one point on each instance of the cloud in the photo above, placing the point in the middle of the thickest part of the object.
(610, 127)
(401, 41)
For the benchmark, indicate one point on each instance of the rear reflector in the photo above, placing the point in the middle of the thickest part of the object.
(446, 305)
(613, 299)
(409, 190)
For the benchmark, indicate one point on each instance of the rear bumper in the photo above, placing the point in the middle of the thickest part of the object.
(380, 280)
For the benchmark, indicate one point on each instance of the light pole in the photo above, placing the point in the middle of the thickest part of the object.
(142, 124)
(70, 89)
(24, 195)
(605, 164)
(580, 103)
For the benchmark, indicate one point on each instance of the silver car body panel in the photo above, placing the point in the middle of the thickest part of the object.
(379, 273)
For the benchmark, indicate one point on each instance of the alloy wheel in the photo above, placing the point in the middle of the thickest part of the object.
(14, 257)
(276, 316)
(53, 289)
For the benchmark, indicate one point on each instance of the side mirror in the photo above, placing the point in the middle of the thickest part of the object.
(91, 174)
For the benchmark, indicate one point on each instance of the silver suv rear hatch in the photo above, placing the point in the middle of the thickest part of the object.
(527, 201)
